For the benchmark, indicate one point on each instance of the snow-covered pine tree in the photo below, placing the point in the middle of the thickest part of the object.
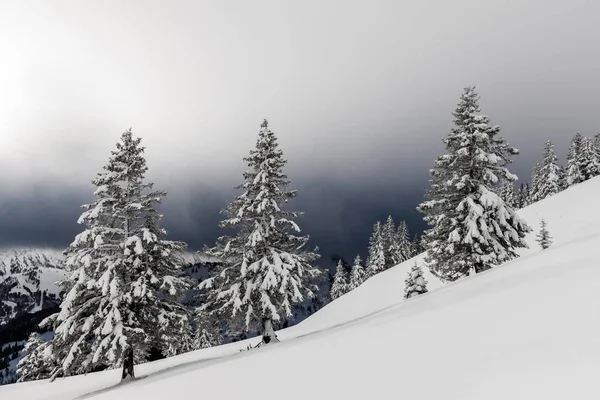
(357, 275)
(404, 249)
(549, 175)
(340, 282)
(207, 332)
(266, 268)
(376, 260)
(417, 245)
(575, 174)
(415, 283)
(122, 286)
(472, 229)
(508, 195)
(543, 236)
(590, 163)
(37, 363)
(388, 236)
(534, 189)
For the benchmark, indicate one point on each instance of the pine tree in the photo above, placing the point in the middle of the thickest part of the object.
(37, 362)
(575, 173)
(388, 236)
(417, 245)
(207, 333)
(376, 260)
(120, 299)
(534, 189)
(472, 228)
(548, 176)
(340, 282)
(590, 163)
(358, 274)
(266, 268)
(508, 195)
(415, 283)
(543, 237)
(403, 249)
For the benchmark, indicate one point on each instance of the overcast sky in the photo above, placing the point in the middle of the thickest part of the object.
(360, 94)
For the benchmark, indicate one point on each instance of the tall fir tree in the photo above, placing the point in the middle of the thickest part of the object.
(376, 260)
(534, 189)
(543, 236)
(472, 229)
(508, 195)
(404, 249)
(388, 236)
(417, 245)
(549, 175)
(415, 283)
(357, 275)
(590, 163)
(121, 300)
(266, 267)
(37, 362)
(575, 174)
(340, 282)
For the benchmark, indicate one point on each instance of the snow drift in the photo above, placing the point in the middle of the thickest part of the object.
(524, 330)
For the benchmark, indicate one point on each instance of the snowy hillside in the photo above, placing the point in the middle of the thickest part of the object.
(525, 330)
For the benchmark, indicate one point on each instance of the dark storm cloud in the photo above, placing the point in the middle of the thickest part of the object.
(359, 93)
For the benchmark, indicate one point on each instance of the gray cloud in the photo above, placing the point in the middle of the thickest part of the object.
(359, 93)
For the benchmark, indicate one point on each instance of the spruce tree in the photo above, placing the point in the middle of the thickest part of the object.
(508, 195)
(358, 274)
(388, 236)
(472, 229)
(376, 260)
(575, 174)
(534, 189)
(340, 282)
(590, 163)
(121, 300)
(404, 249)
(543, 236)
(37, 362)
(266, 267)
(549, 175)
(415, 283)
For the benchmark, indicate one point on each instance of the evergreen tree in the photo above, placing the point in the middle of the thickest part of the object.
(415, 283)
(534, 189)
(206, 338)
(358, 274)
(120, 300)
(472, 229)
(417, 245)
(37, 362)
(549, 175)
(388, 236)
(590, 163)
(575, 173)
(340, 282)
(266, 267)
(508, 195)
(403, 249)
(543, 237)
(376, 260)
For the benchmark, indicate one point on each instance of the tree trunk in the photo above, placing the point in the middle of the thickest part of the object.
(128, 365)
(268, 334)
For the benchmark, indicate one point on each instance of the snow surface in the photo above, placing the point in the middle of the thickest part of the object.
(525, 330)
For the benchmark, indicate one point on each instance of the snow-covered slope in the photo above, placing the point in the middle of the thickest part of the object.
(24, 275)
(525, 330)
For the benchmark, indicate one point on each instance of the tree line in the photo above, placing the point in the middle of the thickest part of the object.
(123, 291)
